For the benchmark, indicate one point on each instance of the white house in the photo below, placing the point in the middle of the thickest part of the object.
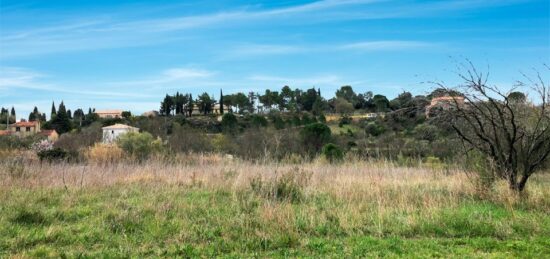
(111, 133)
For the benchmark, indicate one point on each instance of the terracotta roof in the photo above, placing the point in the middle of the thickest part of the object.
(25, 124)
(47, 132)
(5, 132)
(108, 111)
(119, 126)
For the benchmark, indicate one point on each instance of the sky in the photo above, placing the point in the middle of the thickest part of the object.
(129, 54)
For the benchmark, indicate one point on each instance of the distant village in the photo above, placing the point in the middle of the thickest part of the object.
(346, 104)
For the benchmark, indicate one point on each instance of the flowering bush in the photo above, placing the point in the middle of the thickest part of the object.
(43, 145)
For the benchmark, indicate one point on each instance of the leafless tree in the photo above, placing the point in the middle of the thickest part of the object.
(513, 134)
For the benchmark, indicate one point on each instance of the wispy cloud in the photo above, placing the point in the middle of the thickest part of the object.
(248, 50)
(100, 32)
(21, 78)
(167, 77)
(386, 45)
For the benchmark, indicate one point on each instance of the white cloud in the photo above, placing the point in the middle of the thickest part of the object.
(172, 76)
(386, 45)
(90, 33)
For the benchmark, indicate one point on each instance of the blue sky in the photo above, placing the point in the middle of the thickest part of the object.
(129, 54)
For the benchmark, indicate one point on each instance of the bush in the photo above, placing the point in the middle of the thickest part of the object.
(315, 135)
(345, 120)
(186, 139)
(258, 121)
(139, 145)
(229, 123)
(375, 129)
(51, 155)
(82, 139)
(333, 153)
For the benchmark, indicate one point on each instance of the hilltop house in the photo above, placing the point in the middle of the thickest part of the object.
(215, 109)
(109, 114)
(112, 133)
(444, 103)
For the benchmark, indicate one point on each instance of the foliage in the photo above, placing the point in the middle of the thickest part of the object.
(42, 145)
(139, 145)
(230, 123)
(315, 135)
(333, 153)
(52, 155)
(375, 129)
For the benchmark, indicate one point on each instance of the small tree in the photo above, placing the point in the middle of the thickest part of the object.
(314, 136)
(229, 123)
(513, 136)
(333, 153)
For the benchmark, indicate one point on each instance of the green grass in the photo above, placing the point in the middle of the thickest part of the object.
(150, 220)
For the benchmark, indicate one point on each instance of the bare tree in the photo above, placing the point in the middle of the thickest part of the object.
(513, 134)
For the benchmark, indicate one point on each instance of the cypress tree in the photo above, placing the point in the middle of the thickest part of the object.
(13, 113)
(221, 102)
(53, 113)
(61, 123)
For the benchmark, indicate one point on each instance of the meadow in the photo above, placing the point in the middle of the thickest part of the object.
(216, 206)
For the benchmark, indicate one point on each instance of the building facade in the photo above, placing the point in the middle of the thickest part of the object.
(112, 133)
(109, 114)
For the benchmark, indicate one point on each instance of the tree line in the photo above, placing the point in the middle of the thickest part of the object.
(345, 101)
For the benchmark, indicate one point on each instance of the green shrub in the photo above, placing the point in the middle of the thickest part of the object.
(139, 145)
(229, 123)
(344, 120)
(52, 155)
(314, 136)
(375, 129)
(333, 153)
(258, 121)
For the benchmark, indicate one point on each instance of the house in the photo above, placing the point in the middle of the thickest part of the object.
(24, 128)
(112, 133)
(444, 103)
(29, 128)
(109, 114)
(51, 135)
(215, 109)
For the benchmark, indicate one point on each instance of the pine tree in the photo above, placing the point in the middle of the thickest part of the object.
(61, 123)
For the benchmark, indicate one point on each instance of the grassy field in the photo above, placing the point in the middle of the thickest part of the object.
(208, 206)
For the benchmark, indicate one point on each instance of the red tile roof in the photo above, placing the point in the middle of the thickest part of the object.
(25, 124)
(46, 132)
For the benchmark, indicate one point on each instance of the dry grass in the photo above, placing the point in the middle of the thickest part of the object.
(382, 182)
(217, 202)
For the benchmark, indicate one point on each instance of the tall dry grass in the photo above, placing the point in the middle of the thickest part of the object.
(388, 186)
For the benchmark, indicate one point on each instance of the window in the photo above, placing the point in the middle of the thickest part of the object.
(28, 129)
(18, 129)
